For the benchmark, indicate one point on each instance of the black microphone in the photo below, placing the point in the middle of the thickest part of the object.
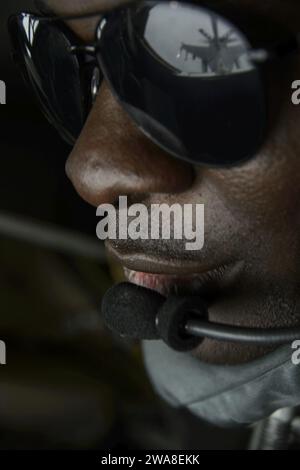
(181, 322)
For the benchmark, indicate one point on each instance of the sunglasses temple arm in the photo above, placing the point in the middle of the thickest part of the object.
(280, 51)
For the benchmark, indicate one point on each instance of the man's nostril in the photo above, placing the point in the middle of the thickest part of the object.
(100, 180)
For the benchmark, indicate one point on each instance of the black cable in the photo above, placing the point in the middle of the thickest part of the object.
(217, 331)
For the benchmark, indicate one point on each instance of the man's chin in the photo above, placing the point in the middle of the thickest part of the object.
(220, 353)
(238, 312)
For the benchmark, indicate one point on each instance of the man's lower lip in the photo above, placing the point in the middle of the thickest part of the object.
(204, 284)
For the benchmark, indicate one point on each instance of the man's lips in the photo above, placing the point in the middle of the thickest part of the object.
(177, 276)
(202, 284)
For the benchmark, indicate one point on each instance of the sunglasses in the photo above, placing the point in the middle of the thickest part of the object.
(189, 78)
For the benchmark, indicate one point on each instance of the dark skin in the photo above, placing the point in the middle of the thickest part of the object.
(252, 210)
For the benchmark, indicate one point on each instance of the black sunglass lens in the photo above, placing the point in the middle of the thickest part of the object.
(184, 75)
(43, 52)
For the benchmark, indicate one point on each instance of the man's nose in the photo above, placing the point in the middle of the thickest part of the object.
(112, 157)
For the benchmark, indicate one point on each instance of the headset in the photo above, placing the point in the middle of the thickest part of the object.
(182, 323)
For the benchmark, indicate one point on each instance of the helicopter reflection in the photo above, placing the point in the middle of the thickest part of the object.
(221, 54)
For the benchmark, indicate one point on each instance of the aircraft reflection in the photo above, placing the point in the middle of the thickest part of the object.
(221, 54)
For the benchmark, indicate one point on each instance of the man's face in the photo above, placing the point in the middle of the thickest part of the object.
(252, 211)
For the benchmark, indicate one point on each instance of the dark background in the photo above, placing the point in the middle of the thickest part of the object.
(67, 383)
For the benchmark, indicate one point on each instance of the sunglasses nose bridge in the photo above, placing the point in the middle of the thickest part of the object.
(84, 49)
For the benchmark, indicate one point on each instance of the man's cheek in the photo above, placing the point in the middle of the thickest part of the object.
(264, 190)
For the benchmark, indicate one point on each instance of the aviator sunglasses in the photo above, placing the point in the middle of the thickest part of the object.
(190, 79)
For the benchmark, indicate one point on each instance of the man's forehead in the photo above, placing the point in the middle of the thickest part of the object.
(84, 28)
(78, 7)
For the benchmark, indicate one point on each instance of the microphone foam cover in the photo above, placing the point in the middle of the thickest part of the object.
(172, 319)
(130, 310)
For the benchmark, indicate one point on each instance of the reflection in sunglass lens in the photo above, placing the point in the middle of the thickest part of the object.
(184, 75)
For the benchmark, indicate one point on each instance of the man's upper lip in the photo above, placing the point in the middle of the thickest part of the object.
(149, 264)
